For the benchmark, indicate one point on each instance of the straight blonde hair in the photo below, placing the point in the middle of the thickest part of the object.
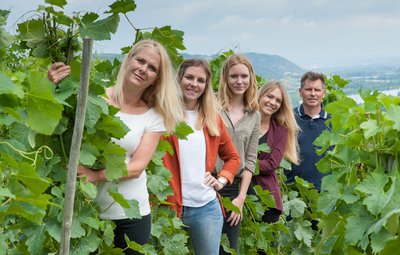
(284, 117)
(207, 105)
(224, 92)
(164, 95)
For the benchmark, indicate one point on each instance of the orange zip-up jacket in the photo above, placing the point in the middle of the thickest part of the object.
(221, 146)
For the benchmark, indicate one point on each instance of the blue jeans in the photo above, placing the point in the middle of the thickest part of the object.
(204, 226)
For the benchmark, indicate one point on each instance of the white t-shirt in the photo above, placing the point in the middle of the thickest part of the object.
(193, 167)
(134, 188)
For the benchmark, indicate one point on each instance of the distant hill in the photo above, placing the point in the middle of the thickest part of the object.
(266, 66)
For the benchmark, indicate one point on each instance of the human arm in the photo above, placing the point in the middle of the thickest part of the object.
(269, 162)
(228, 154)
(58, 71)
(140, 158)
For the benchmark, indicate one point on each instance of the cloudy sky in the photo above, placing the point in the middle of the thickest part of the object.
(307, 32)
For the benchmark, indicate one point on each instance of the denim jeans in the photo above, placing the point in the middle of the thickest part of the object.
(205, 227)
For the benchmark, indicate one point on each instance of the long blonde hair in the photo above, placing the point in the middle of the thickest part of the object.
(207, 105)
(284, 117)
(225, 94)
(164, 95)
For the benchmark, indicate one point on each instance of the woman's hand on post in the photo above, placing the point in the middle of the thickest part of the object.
(58, 71)
(92, 176)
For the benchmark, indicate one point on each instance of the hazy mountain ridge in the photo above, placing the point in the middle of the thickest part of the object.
(371, 74)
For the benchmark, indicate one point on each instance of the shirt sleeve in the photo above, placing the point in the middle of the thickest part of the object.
(156, 122)
(251, 152)
(268, 162)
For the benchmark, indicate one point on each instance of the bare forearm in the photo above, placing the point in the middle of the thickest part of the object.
(244, 184)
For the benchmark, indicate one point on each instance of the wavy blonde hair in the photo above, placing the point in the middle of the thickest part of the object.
(207, 105)
(284, 117)
(164, 95)
(225, 93)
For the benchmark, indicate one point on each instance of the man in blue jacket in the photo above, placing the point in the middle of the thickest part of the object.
(311, 118)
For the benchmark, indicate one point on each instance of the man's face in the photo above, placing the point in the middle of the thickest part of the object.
(312, 93)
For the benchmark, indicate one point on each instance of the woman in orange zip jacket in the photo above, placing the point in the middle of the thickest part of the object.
(195, 196)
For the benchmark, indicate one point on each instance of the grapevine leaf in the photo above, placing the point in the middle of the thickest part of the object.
(357, 225)
(4, 192)
(266, 197)
(34, 34)
(28, 176)
(295, 206)
(122, 6)
(53, 227)
(8, 87)
(171, 39)
(88, 188)
(43, 111)
(114, 161)
(5, 38)
(370, 128)
(35, 236)
(393, 114)
(165, 147)
(77, 231)
(59, 3)
(182, 130)
(331, 191)
(113, 126)
(89, 154)
(227, 203)
(93, 111)
(157, 182)
(86, 245)
(98, 29)
(379, 240)
(131, 207)
(374, 187)
(303, 232)
(264, 148)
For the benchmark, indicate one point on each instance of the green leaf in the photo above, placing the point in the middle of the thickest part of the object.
(8, 87)
(35, 236)
(264, 148)
(59, 3)
(131, 207)
(28, 176)
(88, 188)
(98, 29)
(165, 147)
(115, 165)
(303, 232)
(34, 34)
(370, 128)
(43, 110)
(157, 182)
(122, 6)
(379, 240)
(182, 130)
(374, 187)
(4, 192)
(89, 154)
(357, 225)
(393, 114)
(227, 203)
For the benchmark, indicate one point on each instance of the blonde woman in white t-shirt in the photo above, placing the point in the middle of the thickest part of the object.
(145, 90)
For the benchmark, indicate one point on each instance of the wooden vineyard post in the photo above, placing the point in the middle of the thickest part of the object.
(75, 147)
